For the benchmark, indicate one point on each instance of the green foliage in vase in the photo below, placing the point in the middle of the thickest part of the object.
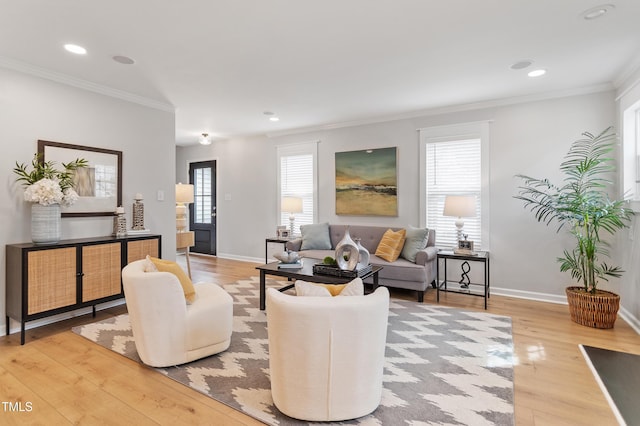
(46, 170)
(582, 204)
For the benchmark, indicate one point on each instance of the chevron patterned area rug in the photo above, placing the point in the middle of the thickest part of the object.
(443, 366)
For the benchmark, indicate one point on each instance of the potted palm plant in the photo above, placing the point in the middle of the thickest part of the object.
(582, 205)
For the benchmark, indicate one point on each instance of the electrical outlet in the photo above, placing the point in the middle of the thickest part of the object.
(160, 196)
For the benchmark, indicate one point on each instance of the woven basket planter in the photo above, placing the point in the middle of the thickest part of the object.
(598, 310)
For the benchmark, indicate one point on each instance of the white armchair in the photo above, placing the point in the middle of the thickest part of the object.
(326, 354)
(166, 330)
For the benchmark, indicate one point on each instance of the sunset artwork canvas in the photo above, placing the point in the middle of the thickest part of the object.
(366, 182)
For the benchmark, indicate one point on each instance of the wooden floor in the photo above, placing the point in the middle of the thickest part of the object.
(60, 378)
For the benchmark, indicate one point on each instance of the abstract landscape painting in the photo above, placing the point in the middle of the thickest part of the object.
(366, 182)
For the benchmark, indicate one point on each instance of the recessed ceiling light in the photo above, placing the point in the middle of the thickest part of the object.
(596, 12)
(125, 60)
(74, 48)
(521, 64)
(537, 73)
(274, 118)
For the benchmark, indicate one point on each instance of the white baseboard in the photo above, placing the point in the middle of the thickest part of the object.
(530, 295)
(240, 258)
(623, 313)
(61, 317)
(633, 321)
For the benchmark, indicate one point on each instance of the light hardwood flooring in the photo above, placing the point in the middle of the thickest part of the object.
(68, 380)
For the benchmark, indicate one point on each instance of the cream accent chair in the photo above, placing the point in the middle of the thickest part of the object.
(326, 354)
(166, 330)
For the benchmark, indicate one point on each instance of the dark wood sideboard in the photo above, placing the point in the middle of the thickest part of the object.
(49, 279)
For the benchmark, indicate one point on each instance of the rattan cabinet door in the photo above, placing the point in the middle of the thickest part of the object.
(139, 249)
(101, 266)
(51, 279)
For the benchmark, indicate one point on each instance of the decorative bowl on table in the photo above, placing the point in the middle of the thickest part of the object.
(287, 256)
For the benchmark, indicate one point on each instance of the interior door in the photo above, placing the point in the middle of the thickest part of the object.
(202, 215)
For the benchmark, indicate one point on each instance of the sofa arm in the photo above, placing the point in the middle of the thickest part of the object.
(294, 245)
(426, 255)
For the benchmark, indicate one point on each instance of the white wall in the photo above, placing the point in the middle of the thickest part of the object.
(32, 108)
(527, 138)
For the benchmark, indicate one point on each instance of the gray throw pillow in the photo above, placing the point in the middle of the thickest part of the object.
(315, 237)
(415, 241)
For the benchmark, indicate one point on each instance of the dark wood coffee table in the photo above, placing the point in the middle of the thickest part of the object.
(305, 273)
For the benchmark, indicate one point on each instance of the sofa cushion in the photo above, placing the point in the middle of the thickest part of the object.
(315, 237)
(416, 240)
(391, 245)
(172, 267)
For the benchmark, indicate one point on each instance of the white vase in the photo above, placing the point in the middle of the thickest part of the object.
(347, 248)
(45, 223)
(363, 255)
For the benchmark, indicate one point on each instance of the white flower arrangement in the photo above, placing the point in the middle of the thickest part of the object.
(45, 185)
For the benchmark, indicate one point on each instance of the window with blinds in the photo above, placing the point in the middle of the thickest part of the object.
(202, 195)
(453, 167)
(297, 178)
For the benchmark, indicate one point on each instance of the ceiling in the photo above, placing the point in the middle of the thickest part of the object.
(223, 64)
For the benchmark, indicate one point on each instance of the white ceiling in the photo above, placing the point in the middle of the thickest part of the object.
(222, 64)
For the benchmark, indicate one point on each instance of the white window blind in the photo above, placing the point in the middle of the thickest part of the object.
(453, 167)
(297, 178)
(202, 195)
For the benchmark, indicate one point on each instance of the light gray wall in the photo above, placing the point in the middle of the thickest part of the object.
(32, 108)
(526, 138)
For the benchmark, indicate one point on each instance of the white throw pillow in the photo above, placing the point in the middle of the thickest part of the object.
(354, 288)
(304, 288)
(149, 266)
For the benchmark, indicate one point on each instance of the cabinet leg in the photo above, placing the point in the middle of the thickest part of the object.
(8, 330)
(94, 310)
(22, 332)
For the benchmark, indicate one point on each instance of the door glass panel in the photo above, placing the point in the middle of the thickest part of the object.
(202, 195)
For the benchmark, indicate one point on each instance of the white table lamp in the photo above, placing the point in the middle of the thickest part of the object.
(184, 196)
(291, 205)
(460, 206)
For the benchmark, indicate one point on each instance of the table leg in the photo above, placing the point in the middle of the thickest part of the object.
(375, 281)
(437, 280)
(262, 290)
(186, 254)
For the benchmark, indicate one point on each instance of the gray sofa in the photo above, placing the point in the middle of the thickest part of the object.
(401, 273)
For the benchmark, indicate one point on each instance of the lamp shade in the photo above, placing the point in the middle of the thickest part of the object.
(184, 193)
(291, 204)
(460, 206)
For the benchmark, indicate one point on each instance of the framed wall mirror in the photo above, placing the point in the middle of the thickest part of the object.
(99, 185)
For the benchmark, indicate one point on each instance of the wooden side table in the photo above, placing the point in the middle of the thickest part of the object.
(464, 286)
(184, 240)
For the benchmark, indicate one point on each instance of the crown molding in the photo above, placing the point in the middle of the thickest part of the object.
(68, 80)
(450, 109)
(628, 78)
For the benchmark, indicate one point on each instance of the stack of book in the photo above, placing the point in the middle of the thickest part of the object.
(294, 265)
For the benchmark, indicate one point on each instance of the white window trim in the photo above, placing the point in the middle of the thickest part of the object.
(297, 149)
(630, 161)
(472, 130)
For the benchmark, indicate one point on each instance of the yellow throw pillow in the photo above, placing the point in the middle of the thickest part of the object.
(169, 266)
(391, 244)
